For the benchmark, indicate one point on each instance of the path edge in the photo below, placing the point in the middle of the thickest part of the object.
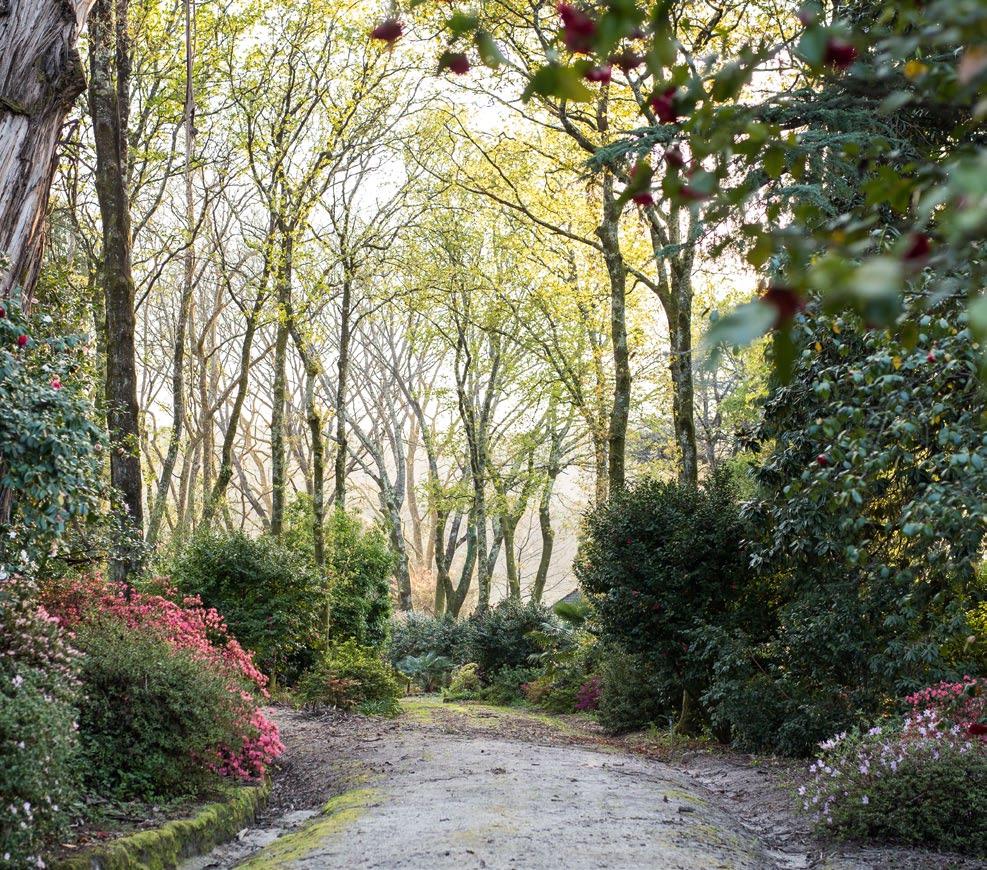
(178, 840)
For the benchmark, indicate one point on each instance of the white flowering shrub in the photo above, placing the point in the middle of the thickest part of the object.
(38, 742)
(919, 781)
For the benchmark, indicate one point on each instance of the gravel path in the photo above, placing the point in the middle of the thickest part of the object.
(457, 786)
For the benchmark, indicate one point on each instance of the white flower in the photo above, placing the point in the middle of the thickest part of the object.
(865, 800)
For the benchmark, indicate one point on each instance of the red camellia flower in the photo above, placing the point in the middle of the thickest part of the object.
(919, 248)
(663, 105)
(673, 157)
(839, 53)
(455, 61)
(601, 74)
(643, 199)
(388, 31)
(3, 312)
(56, 383)
(978, 729)
(578, 29)
(822, 460)
(22, 340)
(930, 356)
(786, 302)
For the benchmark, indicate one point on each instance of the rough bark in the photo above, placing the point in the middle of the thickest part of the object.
(41, 75)
(608, 233)
(109, 107)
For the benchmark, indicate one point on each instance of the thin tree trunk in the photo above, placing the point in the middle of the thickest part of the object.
(185, 303)
(608, 233)
(41, 75)
(508, 526)
(279, 391)
(547, 538)
(342, 375)
(109, 106)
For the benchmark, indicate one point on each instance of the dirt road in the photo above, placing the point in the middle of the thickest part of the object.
(457, 786)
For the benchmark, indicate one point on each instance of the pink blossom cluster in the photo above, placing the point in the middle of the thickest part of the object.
(187, 625)
(851, 765)
(963, 703)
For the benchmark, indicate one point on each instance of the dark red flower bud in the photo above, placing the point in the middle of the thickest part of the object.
(627, 60)
(919, 248)
(601, 74)
(455, 61)
(822, 460)
(930, 356)
(3, 312)
(578, 28)
(643, 199)
(56, 383)
(977, 729)
(785, 301)
(839, 53)
(388, 31)
(674, 158)
(664, 107)
(22, 340)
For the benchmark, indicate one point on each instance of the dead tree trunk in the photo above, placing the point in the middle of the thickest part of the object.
(41, 75)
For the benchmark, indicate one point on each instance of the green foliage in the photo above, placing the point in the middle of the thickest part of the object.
(505, 686)
(660, 562)
(152, 717)
(500, 637)
(428, 670)
(350, 675)
(359, 564)
(269, 596)
(635, 692)
(464, 683)
(416, 634)
(914, 783)
(50, 463)
(870, 518)
(38, 745)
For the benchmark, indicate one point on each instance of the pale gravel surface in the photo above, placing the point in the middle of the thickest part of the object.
(457, 787)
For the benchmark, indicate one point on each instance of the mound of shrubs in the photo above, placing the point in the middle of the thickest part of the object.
(169, 695)
(350, 676)
(269, 595)
(919, 779)
(39, 690)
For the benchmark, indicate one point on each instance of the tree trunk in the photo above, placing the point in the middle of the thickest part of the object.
(279, 391)
(509, 526)
(683, 399)
(608, 233)
(41, 75)
(547, 538)
(109, 106)
(342, 374)
(185, 303)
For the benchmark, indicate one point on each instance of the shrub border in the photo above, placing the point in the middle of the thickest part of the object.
(177, 840)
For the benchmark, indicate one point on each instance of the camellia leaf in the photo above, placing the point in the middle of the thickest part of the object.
(489, 51)
(740, 327)
(558, 81)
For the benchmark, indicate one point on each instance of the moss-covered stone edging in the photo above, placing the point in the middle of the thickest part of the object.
(167, 846)
(339, 813)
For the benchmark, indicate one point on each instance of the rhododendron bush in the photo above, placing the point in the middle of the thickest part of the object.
(921, 779)
(187, 626)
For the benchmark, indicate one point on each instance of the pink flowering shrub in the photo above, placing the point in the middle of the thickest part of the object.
(921, 780)
(963, 703)
(38, 744)
(187, 626)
